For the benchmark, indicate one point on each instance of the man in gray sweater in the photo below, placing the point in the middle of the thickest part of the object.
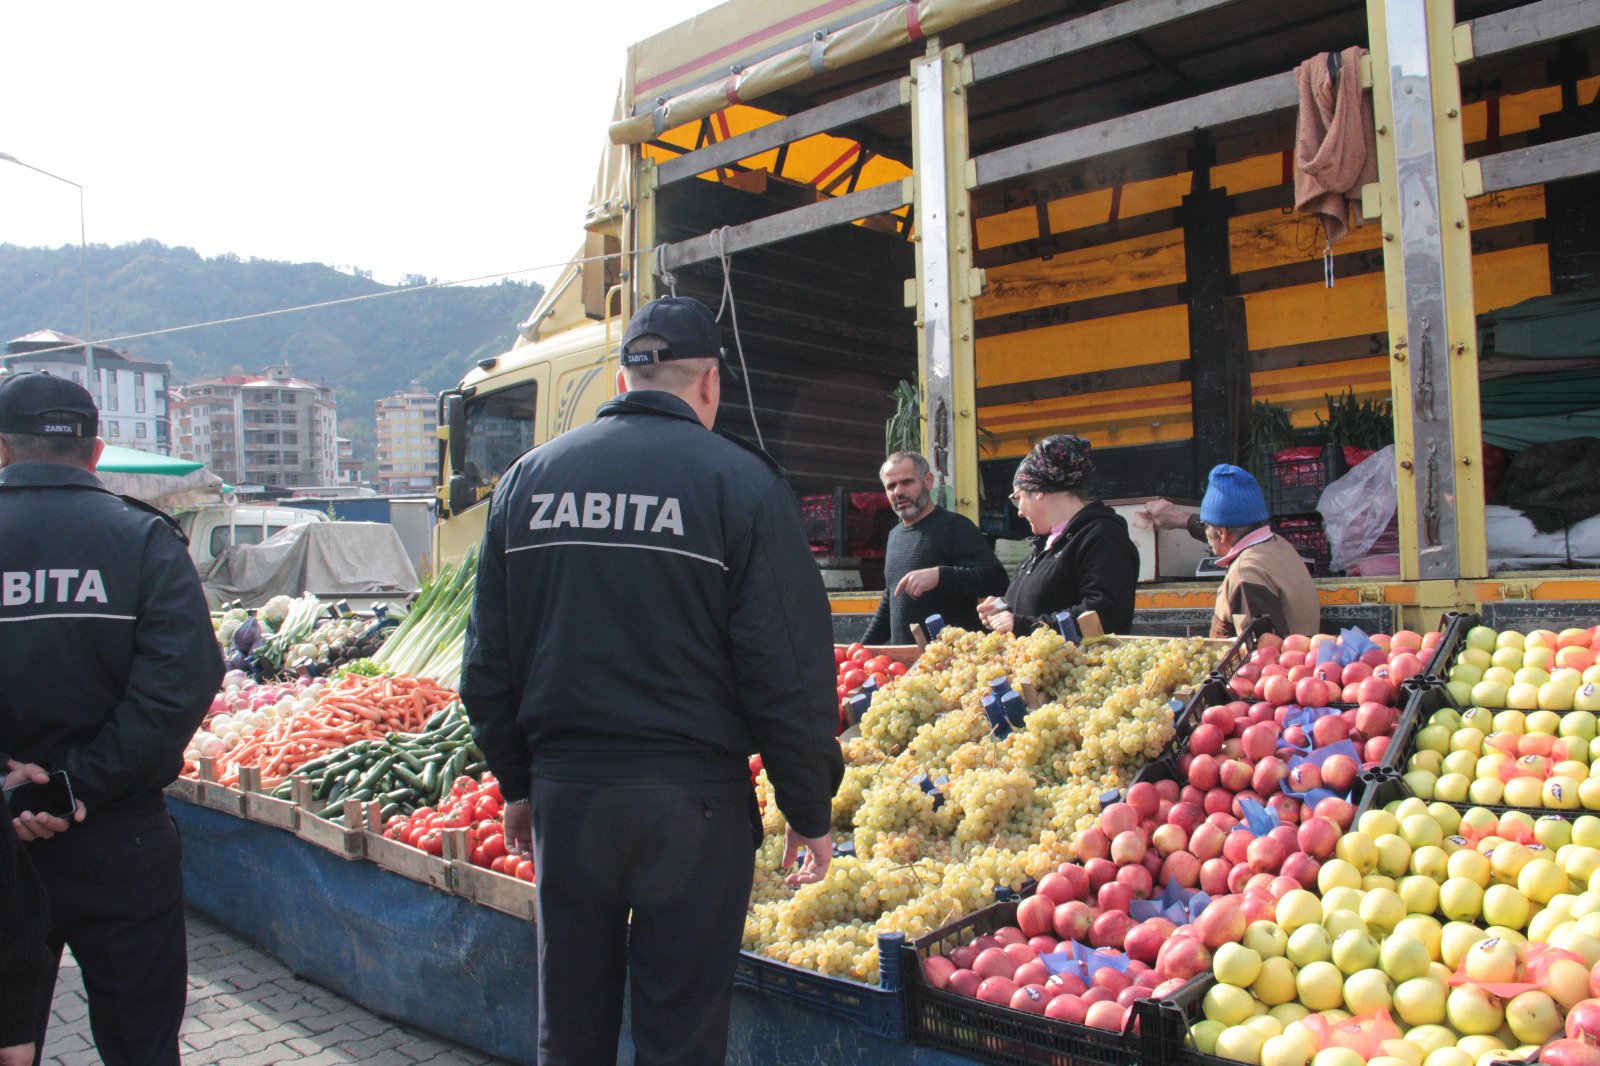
(938, 562)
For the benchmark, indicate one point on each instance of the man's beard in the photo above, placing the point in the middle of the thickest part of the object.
(911, 508)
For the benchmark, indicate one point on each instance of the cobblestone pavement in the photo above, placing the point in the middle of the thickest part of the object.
(247, 1009)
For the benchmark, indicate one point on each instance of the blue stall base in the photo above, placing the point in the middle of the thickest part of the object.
(443, 963)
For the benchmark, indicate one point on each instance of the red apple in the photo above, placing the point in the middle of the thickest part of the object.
(1194, 796)
(1375, 689)
(1259, 741)
(1583, 1020)
(1242, 686)
(1286, 835)
(1143, 795)
(1355, 673)
(1339, 772)
(1214, 876)
(1375, 749)
(1375, 657)
(1044, 943)
(1236, 776)
(1187, 815)
(1219, 801)
(1302, 868)
(1036, 914)
(1269, 775)
(1338, 811)
(1305, 777)
(1101, 871)
(1031, 998)
(1181, 867)
(1206, 739)
(1119, 818)
(964, 983)
(1318, 837)
(1375, 719)
(1093, 843)
(1311, 692)
(1077, 878)
(1145, 940)
(1115, 896)
(1067, 1008)
(1237, 846)
(1351, 693)
(1052, 887)
(1329, 671)
(1140, 879)
(1009, 935)
(997, 990)
(1329, 729)
(1266, 855)
(1223, 821)
(936, 970)
(1107, 1016)
(1287, 808)
(1277, 690)
(1283, 884)
(1570, 1053)
(1222, 922)
(1168, 839)
(1129, 847)
(964, 956)
(1403, 665)
(1021, 954)
(1184, 957)
(1109, 930)
(1099, 995)
(1205, 771)
(1206, 841)
(1238, 802)
(1072, 920)
(1167, 790)
(1238, 878)
(994, 962)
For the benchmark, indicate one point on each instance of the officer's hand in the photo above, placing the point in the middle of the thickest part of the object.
(31, 826)
(517, 819)
(19, 1055)
(989, 608)
(918, 582)
(819, 853)
(1000, 621)
(20, 773)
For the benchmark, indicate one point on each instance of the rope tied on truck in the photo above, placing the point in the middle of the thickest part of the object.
(719, 244)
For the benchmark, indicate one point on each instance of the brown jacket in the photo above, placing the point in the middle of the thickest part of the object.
(1267, 579)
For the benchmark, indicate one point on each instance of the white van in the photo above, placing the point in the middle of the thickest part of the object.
(213, 530)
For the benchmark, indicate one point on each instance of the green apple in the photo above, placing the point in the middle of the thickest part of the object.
(1454, 941)
(1420, 1001)
(1466, 673)
(1486, 693)
(1533, 1017)
(1403, 958)
(1429, 1038)
(1340, 922)
(1309, 944)
(1482, 637)
(1274, 985)
(1237, 965)
(1505, 658)
(1240, 1043)
(1204, 1034)
(1354, 951)
(1321, 986)
(1471, 1010)
(1367, 991)
(1421, 783)
(1459, 691)
(1523, 695)
(1228, 1004)
(1285, 1050)
(1448, 717)
(1510, 638)
(1448, 817)
(1553, 831)
(1266, 939)
(1499, 674)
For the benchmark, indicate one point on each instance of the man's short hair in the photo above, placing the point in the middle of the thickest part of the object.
(919, 462)
(30, 448)
(676, 375)
(1239, 532)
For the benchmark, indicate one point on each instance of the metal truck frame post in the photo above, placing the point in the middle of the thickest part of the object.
(946, 281)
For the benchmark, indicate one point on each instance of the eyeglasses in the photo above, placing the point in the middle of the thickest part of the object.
(1016, 498)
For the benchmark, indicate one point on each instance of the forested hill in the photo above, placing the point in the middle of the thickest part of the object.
(364, 350)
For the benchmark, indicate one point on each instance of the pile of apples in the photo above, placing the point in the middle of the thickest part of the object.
(1285, 670)
(1537, 759)
(1542, 670)
(1135, 851)
(1421, 908)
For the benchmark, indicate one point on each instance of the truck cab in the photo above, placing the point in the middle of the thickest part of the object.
(213, 530)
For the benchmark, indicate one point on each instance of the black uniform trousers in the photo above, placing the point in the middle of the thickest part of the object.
(115, 884)
(679, 858)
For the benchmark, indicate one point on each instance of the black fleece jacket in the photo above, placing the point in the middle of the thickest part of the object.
(1092, 566)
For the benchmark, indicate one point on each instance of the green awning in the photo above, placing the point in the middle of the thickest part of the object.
(127, 461)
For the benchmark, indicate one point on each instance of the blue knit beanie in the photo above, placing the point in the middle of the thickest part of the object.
(1232, 498)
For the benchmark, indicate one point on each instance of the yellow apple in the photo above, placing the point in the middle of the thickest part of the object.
(1228, 1004)
(1430, 761)
(1368, 991)
(1339, 873)
(1454, 941)
(1464, 763)
(1237, 965)
(1505, 905)
(1524, 792)
(1419, 894)
(1420, 1001)
(1567, 983)
(1471, 1010)
(1321, 986)
(1493, 961)
(1461, 899)
(1486, 790)
(1204, 1034)
(1240, 1043)
(1309, 944)
(1470, 865)
(1375, 823)
(1298, 908)
(1425, 929)
(1274, 984)
(1285, 1050)
(1546, 922)
(1533, 1017)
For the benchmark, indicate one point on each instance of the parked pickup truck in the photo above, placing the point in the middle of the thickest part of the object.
(213, 530)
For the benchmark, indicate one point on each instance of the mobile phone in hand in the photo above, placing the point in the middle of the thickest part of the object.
(54, 797)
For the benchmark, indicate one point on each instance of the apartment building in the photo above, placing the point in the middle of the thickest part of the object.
(349, 466)
(131, 393)
(270, 429)
(408, 441)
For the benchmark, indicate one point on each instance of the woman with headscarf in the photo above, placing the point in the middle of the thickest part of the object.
(1083, 559)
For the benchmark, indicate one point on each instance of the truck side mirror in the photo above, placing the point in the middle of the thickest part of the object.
(455, 420)
(462, 494)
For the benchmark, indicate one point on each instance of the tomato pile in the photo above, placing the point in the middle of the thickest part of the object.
(471, 805)
(857, 665)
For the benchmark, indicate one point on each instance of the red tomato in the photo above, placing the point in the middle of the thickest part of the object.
(854, 680)
(494, 845)
(414, 835)
(839, 654)
(498, 865)
(486, 808)
(897, 669)
(843, 692)
(432, 842)
(525, 870)
(453, 820)
(877, 664)
(880, 677)
(859, 657)
(491, 787)
(858, 646)
(480, 858)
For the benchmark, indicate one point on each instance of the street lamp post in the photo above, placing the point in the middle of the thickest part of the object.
(83, 245)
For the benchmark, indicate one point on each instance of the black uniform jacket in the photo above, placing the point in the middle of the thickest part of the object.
(647, 607)
(108, 661)
(1092, 566)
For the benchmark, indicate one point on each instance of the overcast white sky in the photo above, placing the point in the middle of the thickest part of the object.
(450, 140)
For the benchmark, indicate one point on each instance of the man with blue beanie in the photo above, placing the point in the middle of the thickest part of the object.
(1266, 576)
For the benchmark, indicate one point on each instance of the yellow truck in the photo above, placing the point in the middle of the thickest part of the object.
(1073, 216)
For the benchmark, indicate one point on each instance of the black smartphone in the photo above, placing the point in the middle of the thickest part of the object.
(54, 797)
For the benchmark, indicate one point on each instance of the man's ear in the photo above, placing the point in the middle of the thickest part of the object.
(622, 382)
(99, 450)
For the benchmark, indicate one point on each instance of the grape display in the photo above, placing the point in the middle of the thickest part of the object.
(942, 810)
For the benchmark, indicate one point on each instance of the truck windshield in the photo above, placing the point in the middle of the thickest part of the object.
(500, 427)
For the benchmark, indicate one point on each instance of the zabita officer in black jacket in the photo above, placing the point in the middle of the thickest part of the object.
(1082, 557)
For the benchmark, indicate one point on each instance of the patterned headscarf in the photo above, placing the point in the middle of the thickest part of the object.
(1056, 464)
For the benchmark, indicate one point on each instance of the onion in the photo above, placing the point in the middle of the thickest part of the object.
(211, 747)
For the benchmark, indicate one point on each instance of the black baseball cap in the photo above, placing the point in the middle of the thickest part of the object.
(39, 404)
(686, 324)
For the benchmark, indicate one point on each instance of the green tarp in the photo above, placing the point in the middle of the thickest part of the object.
(127, 461)
(1527, 395)
(1550, 327)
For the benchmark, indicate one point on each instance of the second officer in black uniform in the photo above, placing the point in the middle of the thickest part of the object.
(648, 614)
(106, 669)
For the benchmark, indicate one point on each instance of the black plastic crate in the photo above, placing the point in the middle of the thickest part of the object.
(1454, 625)
(1293, 486)
(1168, 1021)
(821, 517)
(880, 1010)
(991, 1033)
(1308, 538)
